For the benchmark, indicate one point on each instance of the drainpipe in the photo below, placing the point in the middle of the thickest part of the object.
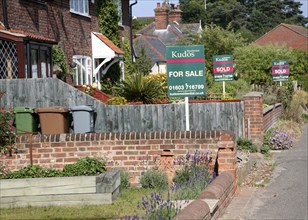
(131, 31)
(5, 18)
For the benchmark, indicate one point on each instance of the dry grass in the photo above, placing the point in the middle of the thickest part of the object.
(292, 128)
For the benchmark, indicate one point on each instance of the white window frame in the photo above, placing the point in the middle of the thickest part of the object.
(80, 7)
(79, 78)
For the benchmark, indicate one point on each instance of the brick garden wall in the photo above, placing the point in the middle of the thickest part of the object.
(270, 115)
(133, 151)
(257, 119)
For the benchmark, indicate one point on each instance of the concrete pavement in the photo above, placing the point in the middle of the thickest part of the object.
(285, 197)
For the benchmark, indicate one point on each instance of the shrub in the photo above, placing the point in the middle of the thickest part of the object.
(298, 106)
(154, 179)
(265, 149)
(247, 145)
(117, 101)
(140, 88)
(34, 171)
(85, 167)
(124, 179)
(7, 132)
(280, 140)
(4, 170)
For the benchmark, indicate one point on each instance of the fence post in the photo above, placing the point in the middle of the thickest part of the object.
(253, 112)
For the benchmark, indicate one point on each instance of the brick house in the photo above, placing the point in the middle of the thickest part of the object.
(292, 36)
(166, 30)
(29, 29)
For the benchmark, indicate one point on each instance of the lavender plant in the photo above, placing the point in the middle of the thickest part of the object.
(156, 207)
(280, 140)
(193, 176)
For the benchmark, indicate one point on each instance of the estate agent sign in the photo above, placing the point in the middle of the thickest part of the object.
(223, 68)
(280, 70)
(185, 71)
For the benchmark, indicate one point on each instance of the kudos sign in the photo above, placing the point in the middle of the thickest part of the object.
(223, 67)
(280, 70)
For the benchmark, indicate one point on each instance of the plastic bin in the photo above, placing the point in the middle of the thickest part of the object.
(83, 119)
(26, 120)
(54, 120)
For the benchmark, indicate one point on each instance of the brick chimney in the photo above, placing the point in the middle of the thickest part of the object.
(161, 16)
(175, 14)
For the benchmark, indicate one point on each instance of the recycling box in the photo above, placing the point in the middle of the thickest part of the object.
(26, 120)
(83, 119)
(54, 120)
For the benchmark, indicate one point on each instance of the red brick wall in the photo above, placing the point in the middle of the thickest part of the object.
(253, 114)
(258, 121)
(134, 151)
(55, 20)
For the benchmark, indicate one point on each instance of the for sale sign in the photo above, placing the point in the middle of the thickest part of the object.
(185, 71)
(223, 68)
(280, 70)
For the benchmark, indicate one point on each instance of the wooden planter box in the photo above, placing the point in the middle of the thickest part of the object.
(59, 191)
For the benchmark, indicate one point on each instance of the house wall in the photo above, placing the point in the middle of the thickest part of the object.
(54, 20)
(159, 68)
(284, 36)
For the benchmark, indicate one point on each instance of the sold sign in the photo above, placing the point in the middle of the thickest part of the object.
(280, 70)
(223, 67)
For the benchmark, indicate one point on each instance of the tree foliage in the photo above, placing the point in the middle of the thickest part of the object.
(193, 11)
(250, 17)
(216, 41)
(108, 20)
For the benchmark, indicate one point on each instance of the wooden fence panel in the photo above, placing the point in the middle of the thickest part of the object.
(109, 118)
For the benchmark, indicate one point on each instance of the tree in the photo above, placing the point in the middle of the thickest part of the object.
(108, 21)
(227, 14)
(193, 11)
(216, 41)
(143, 63)
(252, 18)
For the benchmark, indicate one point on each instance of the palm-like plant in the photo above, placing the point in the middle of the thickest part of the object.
(139, 88)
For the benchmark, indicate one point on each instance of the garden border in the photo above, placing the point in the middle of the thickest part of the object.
(57, 191)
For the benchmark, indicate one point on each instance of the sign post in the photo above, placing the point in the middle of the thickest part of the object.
(223, 69)
(280, 71)
(185, 73)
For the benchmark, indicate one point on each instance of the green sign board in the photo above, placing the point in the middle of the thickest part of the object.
(280, 70)
(223, 68)
(185, 71)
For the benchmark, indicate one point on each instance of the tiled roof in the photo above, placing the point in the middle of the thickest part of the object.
(109, 43)
(153, 46)
(21, 33)
(298, 29)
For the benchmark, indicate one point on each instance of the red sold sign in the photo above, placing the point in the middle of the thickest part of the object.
(223, 69)
(280, 71)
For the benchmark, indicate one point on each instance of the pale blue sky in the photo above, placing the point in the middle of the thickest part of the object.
(145, 8)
